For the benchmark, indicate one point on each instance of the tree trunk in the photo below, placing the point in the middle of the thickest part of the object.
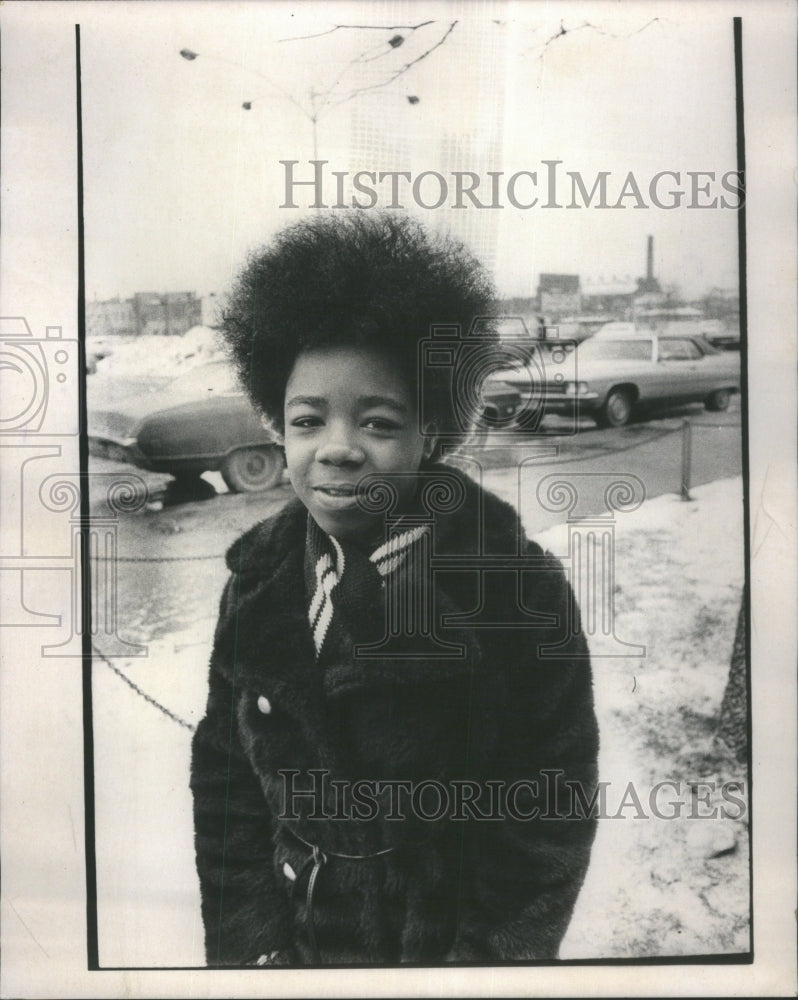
(733, 721)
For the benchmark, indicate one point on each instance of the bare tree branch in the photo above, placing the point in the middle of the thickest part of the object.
(400, 72)
(321, 100)
(647, 25)
(587, 24)
(359, 27)
(255, 72)
(367, 56)
(382, 49)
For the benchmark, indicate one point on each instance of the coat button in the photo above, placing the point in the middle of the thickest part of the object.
(289, 872)
(264, 705)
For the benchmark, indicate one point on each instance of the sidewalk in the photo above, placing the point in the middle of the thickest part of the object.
(655, 886)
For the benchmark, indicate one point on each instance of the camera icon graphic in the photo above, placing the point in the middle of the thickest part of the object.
(39, 378)
(495, 377)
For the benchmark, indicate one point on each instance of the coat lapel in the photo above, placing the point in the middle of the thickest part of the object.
(267, 645)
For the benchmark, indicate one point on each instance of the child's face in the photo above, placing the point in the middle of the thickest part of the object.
(348, 413)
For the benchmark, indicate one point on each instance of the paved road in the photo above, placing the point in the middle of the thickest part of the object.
(650, 451)
(171, 570)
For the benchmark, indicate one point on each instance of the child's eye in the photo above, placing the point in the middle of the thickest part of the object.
(306, 421)
(381, 424)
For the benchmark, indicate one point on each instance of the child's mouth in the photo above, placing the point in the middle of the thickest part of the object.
(345, 490)
(336, 495)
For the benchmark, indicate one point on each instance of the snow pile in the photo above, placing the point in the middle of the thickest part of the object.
(151, 354)
(147, 887)
(667, 886)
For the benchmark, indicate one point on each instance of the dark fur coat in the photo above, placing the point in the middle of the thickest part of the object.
(518, 702)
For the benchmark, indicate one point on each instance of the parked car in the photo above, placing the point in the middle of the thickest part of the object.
(501, 404)
(201, 421)
(615, 375)
(195, 423)
(725, 335)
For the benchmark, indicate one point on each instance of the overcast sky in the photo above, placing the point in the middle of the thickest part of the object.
(181, 180)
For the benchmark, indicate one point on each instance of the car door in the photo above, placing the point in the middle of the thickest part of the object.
(681, 372)
(719, 369)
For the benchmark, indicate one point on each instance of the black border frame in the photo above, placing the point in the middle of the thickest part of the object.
(92, 938)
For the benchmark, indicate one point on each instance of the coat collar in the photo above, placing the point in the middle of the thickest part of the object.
(479, 522)
(268, 625)
(264, 643)
(261, 550)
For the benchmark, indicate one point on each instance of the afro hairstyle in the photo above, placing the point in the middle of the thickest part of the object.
(376, 280)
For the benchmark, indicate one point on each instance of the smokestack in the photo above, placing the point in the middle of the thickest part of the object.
(650, 259)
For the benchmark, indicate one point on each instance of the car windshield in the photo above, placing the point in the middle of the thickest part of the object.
(217, 379)
(597, 349)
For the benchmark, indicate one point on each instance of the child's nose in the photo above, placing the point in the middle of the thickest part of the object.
(340, 448)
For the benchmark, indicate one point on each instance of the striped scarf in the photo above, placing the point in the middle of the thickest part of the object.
(345, 586)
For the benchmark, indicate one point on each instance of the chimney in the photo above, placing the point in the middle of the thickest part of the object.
(650, 260)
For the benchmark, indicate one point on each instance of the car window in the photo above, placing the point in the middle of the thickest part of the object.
(705, 346)
(597, 349)
(678, 350)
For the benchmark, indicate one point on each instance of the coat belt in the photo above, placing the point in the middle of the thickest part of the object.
(317, 859)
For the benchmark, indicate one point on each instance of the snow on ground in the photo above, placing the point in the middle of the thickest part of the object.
(151, 354)
(655, 886)
(668, 886)
(147, 889)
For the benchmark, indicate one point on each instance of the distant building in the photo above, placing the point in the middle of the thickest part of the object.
(722, 303)
(182, 310)
(166, 314)
(559, 295)
(114, 317)
(149, 313)
(146, 312)
(613, 297)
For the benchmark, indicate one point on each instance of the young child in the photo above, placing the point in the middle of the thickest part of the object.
(398, 685)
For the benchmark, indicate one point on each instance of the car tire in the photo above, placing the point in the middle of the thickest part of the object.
(530, 420)
(490, 419)
(617, 409)
(249, 470)
(187, 487)
(718, 401)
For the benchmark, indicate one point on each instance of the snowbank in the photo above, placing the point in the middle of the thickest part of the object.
(156, 355)
(660, 886)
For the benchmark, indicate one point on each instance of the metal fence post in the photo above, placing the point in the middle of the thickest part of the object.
(687, 448)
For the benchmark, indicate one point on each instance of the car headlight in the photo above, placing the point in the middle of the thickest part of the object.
(576, 388)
